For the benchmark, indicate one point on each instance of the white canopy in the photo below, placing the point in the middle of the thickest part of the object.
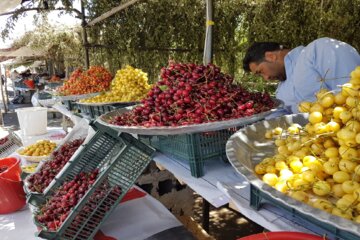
(25, 52)
(8, 5)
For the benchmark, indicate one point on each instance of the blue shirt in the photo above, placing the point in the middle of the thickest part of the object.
(324, 58)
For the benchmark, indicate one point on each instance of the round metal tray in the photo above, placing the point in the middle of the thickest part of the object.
(248, 146)
(193, 128)
(76, 97)
(106, 103)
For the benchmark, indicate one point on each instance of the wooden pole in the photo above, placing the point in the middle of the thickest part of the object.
(85, 40)
(208, 51)
(3, 100)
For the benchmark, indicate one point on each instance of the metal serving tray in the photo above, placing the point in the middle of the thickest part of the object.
(248, 146)
(193, 128)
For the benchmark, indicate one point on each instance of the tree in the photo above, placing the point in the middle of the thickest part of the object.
(63, 45)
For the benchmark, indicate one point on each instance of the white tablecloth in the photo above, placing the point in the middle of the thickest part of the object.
(221, 184)
(136, 219)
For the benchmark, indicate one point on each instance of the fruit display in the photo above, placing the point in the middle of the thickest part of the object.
(319, 163)
(40, 148)
(55, 211)
(193, 94)
(54, 79)
(129, 85)
(96, 79)
(29, 168)
(40, 180)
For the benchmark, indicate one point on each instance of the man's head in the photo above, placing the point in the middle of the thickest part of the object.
(267, 60)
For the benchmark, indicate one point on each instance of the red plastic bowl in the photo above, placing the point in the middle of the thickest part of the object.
(282, 236)
(13, 170)
(12, 196)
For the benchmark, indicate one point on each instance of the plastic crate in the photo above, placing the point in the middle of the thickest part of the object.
(44, 95)
(194, 148)
(94, 111)
(9, 144)
(54, 84)
(20, 84)
(80, 131)
(121, 159)
(84, 110)
(257, 198)
(70, 105)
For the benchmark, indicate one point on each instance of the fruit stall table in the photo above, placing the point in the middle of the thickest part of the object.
(218, 187)
(55, 134)
(138, 216)
(222, 185)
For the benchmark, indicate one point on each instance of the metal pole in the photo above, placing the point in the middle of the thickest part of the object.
(206, 215)
(3, 99)
(209, 30)
(85, 40)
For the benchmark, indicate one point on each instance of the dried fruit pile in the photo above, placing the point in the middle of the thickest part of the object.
(192, 94)
(40, 180)
(96, 79)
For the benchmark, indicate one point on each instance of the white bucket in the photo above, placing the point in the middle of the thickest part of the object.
(32, 120)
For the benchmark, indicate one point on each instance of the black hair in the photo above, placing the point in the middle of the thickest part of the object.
(256, 52)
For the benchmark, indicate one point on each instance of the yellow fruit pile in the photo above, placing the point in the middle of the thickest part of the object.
(40, 148)
(29, 168)
(320, 163)
(129, 85)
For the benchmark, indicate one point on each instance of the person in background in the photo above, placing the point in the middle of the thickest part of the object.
(13, 76)
(26, 74)
(304, 70)
(3, 79)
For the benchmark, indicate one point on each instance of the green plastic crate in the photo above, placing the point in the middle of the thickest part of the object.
(257, 198)
(195, 148)
(94, 111)
(70, 105)
(84, 110)
(121, 159)
(54, 84)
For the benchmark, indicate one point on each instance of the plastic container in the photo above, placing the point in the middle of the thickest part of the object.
(196, 148)
(282, 236)
(248, 147)
(96, 110)
(8, 144)
(258, 198)
(70, 105)
(32, 120)
(120, 158)
(12, 196)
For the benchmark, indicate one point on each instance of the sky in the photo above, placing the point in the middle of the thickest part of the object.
(25, 24)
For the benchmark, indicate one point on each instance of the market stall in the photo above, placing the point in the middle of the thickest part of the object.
(206, 172)
(135, 208)
(196, 120)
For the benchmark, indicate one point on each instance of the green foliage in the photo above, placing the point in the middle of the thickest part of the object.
(150, 33)
(62, 45)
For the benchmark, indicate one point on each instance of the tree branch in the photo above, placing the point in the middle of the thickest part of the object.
(21, 10)
(112, 12)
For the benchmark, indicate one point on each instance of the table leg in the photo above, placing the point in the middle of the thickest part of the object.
(205, 214)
